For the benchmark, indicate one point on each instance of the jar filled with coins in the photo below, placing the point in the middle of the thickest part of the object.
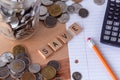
(19, 18)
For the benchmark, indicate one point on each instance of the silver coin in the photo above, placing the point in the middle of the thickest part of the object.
(54, 64)
(64, 18)
(7, 57)
(16, 75)
(9, 78)
(77, 76)
(25, 18)
(20, 55)
(14, 22)
(71, 9)
(77, 7)
(2, 64)
(47, 2)
(43, 10)
(64, 0)
(26, 60)
(99, 2)
(62, 5)
(34, 68)
(17, 66)
(4, 72)
(39, 76)
(43, 17)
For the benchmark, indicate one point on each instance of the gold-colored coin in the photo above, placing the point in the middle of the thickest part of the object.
(48, 72)
(28, 76)
(77, 1)
(55, 10)
(19, 49)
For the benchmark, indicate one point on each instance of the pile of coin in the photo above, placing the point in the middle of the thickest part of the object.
(52, 11)
(16, 65)
(20, 17)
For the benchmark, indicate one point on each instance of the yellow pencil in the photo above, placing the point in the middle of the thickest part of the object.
(102, 59)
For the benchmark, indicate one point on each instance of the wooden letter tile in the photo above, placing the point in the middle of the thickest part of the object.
(55, 44)
(75, 29)
(65, 37)
(45, 51)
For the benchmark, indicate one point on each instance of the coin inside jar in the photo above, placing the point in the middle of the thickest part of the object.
(54, 10)
(48, 72)
(54, 64)
(28, 76)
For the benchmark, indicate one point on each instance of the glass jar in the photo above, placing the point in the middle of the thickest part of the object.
(19, 18)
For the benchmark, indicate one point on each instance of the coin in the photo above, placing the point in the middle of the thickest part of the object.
(28, 76)
(7, 57)
(2, 64)
(16, 75)
(39, 76)
(19, 49)
(4, 72)
(71, 9)
(62, 5)
(83, 12)
(99, 2)
(77, 7)
(26, 60)
(64, 18)
(43, 10)
(14, 22)
(50, 22)
(54, 10)
(34, 68)
(77, 76)
(20, 55)
(47, 2)
(9, 78)
(48, 72)
(17, 66)
(77, 1)
(54, 64)
(64, 0)
(43, 17)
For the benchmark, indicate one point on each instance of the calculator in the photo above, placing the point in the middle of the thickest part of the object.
(110, 33)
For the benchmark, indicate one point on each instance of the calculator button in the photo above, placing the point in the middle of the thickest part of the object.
(108, 27)
(119, 35)
(116, 17)
(119, 40)
(109, 22)
(118, 5)
(107, 32)
(106, 37)
(116, 23)
(114, 33)
(113, 39)
(115, 29)
(117, 1)
(112, 5)
(112, 0)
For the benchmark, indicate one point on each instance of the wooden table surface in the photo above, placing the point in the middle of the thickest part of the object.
(38, 40)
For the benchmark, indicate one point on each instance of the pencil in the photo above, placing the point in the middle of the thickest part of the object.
(102, 59)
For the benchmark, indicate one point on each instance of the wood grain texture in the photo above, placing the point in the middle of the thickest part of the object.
(38, 40)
